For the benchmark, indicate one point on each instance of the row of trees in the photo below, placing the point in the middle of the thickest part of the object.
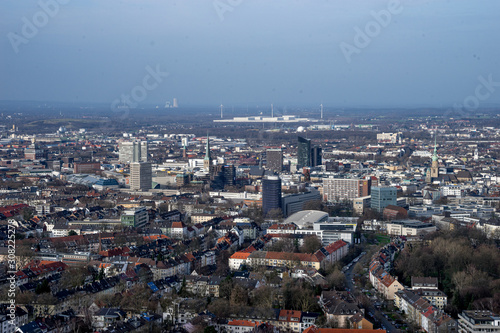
(292, 295)
(310, 245)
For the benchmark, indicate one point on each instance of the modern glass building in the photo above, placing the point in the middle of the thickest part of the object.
(271, 194)
(383, 197)
(304, 152)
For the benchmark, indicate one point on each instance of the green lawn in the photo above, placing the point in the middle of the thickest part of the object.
(383, 239)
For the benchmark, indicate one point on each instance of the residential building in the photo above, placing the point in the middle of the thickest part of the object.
(314, 329)
(8, 323)
(328, 254)
(359, 322)
(289, 320)
(434, 296)
(339, 307)
(237, 259)
(241, 326)
(283, 259)
(424, 282)
(106, 317)
(178, 230)
(382, 281)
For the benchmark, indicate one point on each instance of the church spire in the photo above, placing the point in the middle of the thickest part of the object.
(207, 149)
(434, 164)
(435, 155)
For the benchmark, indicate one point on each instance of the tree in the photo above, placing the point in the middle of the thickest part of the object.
(222, 263)
(24, 298)
(220, 307)
(226, 287)
(73, 277)
(275, 214)
(336, 279)
(27, 213)
(239, 296)
(311, 244)
(263, 297)
(24, 254)
(313, 205)
(441, 201)
(163, 208)
(283, 245)
(209, 329)
(101, 274)
(183, 292)
(72, 233)
(43, 287)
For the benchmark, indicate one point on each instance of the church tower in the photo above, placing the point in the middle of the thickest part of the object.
(207, 161)
(435, 163)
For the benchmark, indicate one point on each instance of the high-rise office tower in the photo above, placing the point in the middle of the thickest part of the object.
(304, 152)
(316, 157)
(271, 194)
(274, 160)
(140, 176)
(229, 174)
(133, 151)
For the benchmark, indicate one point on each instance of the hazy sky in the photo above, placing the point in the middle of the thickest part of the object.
(255, 52)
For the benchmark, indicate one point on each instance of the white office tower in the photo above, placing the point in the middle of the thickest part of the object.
(174, 103)
(140, 176)
(128, 150)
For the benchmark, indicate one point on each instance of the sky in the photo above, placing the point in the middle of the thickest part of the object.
(341, 53)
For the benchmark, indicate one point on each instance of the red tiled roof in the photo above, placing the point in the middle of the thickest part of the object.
(246, 323)
(178, 224)
(287, 315)
(314, 329)
(335, 246)
(240, 255)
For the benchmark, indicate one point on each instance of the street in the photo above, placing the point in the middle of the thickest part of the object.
(377, 315)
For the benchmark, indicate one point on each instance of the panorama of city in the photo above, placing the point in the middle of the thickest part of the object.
(231, 166)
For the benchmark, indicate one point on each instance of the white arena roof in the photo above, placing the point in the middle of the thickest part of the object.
(306, 218)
